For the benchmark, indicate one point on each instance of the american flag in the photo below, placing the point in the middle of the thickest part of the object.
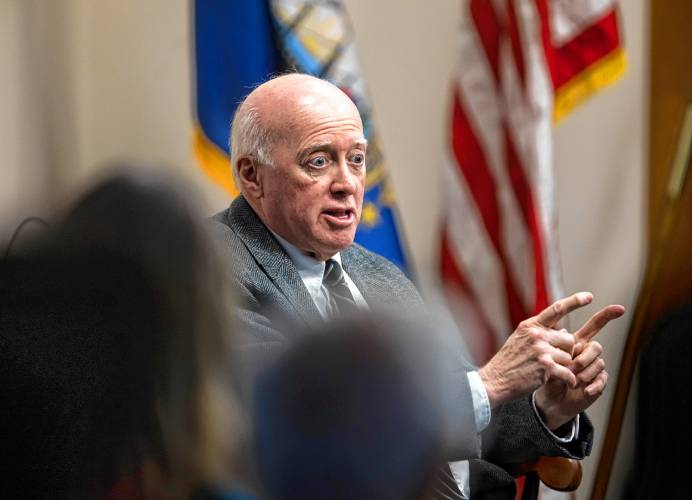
(523, 64)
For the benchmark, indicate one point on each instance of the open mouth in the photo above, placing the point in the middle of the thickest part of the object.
(339, 217)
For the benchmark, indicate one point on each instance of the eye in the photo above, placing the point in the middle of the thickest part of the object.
(318, 161)
(358, 158)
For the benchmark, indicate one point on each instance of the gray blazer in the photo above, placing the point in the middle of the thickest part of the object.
(267, 277)
(272, 296)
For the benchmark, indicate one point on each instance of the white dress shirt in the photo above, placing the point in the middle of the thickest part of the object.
(311, 271)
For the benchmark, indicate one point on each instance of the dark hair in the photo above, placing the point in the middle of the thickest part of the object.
(136, 300)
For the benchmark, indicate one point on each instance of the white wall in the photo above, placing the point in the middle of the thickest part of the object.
(134, 63)
(86, 82)
(24, 159)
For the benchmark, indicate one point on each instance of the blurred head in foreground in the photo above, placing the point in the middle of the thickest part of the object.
(126, 313)
(350, 412)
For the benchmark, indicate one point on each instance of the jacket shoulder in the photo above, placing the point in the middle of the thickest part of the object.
(379, 278)
(360, 257)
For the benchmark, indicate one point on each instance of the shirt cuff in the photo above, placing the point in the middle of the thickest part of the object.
(571, 436)
(481, 403)
(462, 476)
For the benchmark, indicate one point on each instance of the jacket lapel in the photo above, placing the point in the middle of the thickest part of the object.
(369, 284)
(271, 258)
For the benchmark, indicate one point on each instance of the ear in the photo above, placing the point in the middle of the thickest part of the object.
(249, 177)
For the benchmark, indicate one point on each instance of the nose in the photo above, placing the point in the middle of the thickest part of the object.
(344, 181)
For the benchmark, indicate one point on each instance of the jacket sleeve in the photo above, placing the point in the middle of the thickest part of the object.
(515, 435)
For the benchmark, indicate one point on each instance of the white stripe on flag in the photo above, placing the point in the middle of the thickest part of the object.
(478, 95)
(539, 97)
(471, 247)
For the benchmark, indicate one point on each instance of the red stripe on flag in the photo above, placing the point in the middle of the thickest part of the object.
(515, 40)
(595, 42)
(591, 45)
(488, 28)
(472, 164)
(548, 49)
(484, 346)
(524, 196)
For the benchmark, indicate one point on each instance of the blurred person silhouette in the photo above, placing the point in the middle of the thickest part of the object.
(351, 411)
(118, 343)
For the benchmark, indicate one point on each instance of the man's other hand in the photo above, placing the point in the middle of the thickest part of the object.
(534, 354)
(557, 402)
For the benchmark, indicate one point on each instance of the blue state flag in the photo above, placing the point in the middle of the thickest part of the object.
(240, 44)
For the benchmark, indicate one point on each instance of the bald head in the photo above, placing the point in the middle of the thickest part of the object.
(298, 153)
(273, 109)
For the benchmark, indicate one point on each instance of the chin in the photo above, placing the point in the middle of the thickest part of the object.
(338, 245)
(346, 241)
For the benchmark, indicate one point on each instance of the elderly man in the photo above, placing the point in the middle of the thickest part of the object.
(298, 156)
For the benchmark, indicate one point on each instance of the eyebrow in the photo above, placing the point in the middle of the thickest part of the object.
(322, 146)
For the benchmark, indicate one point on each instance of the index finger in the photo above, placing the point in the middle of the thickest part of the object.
(549, 316)
(598, 321)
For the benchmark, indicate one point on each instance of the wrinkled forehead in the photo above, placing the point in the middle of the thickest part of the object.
(291, 104)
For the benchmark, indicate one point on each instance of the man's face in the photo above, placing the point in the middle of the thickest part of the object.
(313, 194)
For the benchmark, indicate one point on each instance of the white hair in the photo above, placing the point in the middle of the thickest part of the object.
(249, 137)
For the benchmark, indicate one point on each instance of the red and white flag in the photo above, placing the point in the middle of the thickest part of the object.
(523, 64)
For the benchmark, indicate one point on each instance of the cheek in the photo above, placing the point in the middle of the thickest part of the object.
(360, 193)
(301, 209)
(292, 209)
(361, 184)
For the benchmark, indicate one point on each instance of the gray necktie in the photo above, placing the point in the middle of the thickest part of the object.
(340, 297)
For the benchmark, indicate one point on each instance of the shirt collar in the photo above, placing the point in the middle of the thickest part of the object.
(310, 269)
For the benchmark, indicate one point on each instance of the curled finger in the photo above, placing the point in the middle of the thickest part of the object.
(577, 350)
(560, 372)
(559, 356)
(597, 386)
(561, 339)
(589, 374)
(589, 353)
